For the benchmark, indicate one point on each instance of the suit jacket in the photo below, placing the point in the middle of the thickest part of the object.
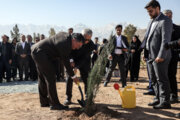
(8, 55)
(57, 46)
(123, 38)
(82, 57)
(19, 50)
(160, 35)
(175, 36)
(30, 44)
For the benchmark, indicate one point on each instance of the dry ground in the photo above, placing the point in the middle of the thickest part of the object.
(25, 106)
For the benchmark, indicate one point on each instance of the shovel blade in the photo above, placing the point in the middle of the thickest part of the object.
(82, 103)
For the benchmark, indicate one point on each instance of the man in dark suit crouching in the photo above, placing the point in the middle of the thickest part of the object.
(44, 53)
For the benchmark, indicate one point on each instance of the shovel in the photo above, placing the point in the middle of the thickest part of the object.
(81, 102)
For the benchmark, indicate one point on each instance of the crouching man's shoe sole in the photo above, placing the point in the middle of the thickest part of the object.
(59, 107)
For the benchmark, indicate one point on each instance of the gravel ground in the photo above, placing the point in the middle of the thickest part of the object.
(19, 87)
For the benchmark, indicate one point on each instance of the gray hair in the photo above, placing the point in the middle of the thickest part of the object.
(167, 11)
(87, 32)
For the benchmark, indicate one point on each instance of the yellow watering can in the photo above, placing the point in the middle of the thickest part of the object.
(128, 96)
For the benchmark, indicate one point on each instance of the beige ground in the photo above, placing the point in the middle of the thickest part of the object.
(25, 106)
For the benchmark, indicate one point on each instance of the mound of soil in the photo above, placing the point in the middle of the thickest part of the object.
(99, 112)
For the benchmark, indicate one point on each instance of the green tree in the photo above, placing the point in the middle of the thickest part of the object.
(52, 32)
(129, 31)
(15, 33)
(96, 76)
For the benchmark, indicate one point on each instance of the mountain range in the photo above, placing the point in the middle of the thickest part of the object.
(101, 32)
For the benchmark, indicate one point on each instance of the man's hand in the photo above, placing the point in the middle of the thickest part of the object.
(179, 42)
(10, 61)
(23, 55)
(133, 50)
(95, 51)
(76, 80)
(110, 57)
(75, 70)
(72, 64)
(159, 60)
(124, 49)
(144, 59)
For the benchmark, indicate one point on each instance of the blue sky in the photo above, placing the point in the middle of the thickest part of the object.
(89, 12)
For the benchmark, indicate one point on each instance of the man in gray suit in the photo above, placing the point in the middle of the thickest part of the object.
(158, 33)
(44, 53)
(23, 51)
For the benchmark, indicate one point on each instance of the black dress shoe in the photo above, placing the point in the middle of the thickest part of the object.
(67, 102)
(123, 86)
(132, 80)
(177, 115)
(162, 106)
(59, 107)
(174, 100)
(105, 84)
(153, 103)
(45, 105)
(8, 80)
(136, 79)
(149, 93)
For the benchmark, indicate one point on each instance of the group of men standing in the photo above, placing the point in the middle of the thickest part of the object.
(17, 56)
(74, 51)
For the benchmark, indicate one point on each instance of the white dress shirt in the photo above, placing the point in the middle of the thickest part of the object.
(119, 43)
(23, 44)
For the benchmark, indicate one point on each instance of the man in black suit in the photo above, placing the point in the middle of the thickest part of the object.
(5, 58)
(80, 59)
(32, 66)
(42, 37)
(23, 52)
(174, 45)
(44, 53)
(95, 51)
(70, 31)
(172, 70)
(117, 56)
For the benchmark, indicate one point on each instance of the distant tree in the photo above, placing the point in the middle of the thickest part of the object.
(52, 32)
(34, 36)
(111, 35)
(129, 31)
(15, 33)
(39, 35)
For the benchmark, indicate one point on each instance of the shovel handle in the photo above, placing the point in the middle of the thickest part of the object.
(78, 83)
(79, 87)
